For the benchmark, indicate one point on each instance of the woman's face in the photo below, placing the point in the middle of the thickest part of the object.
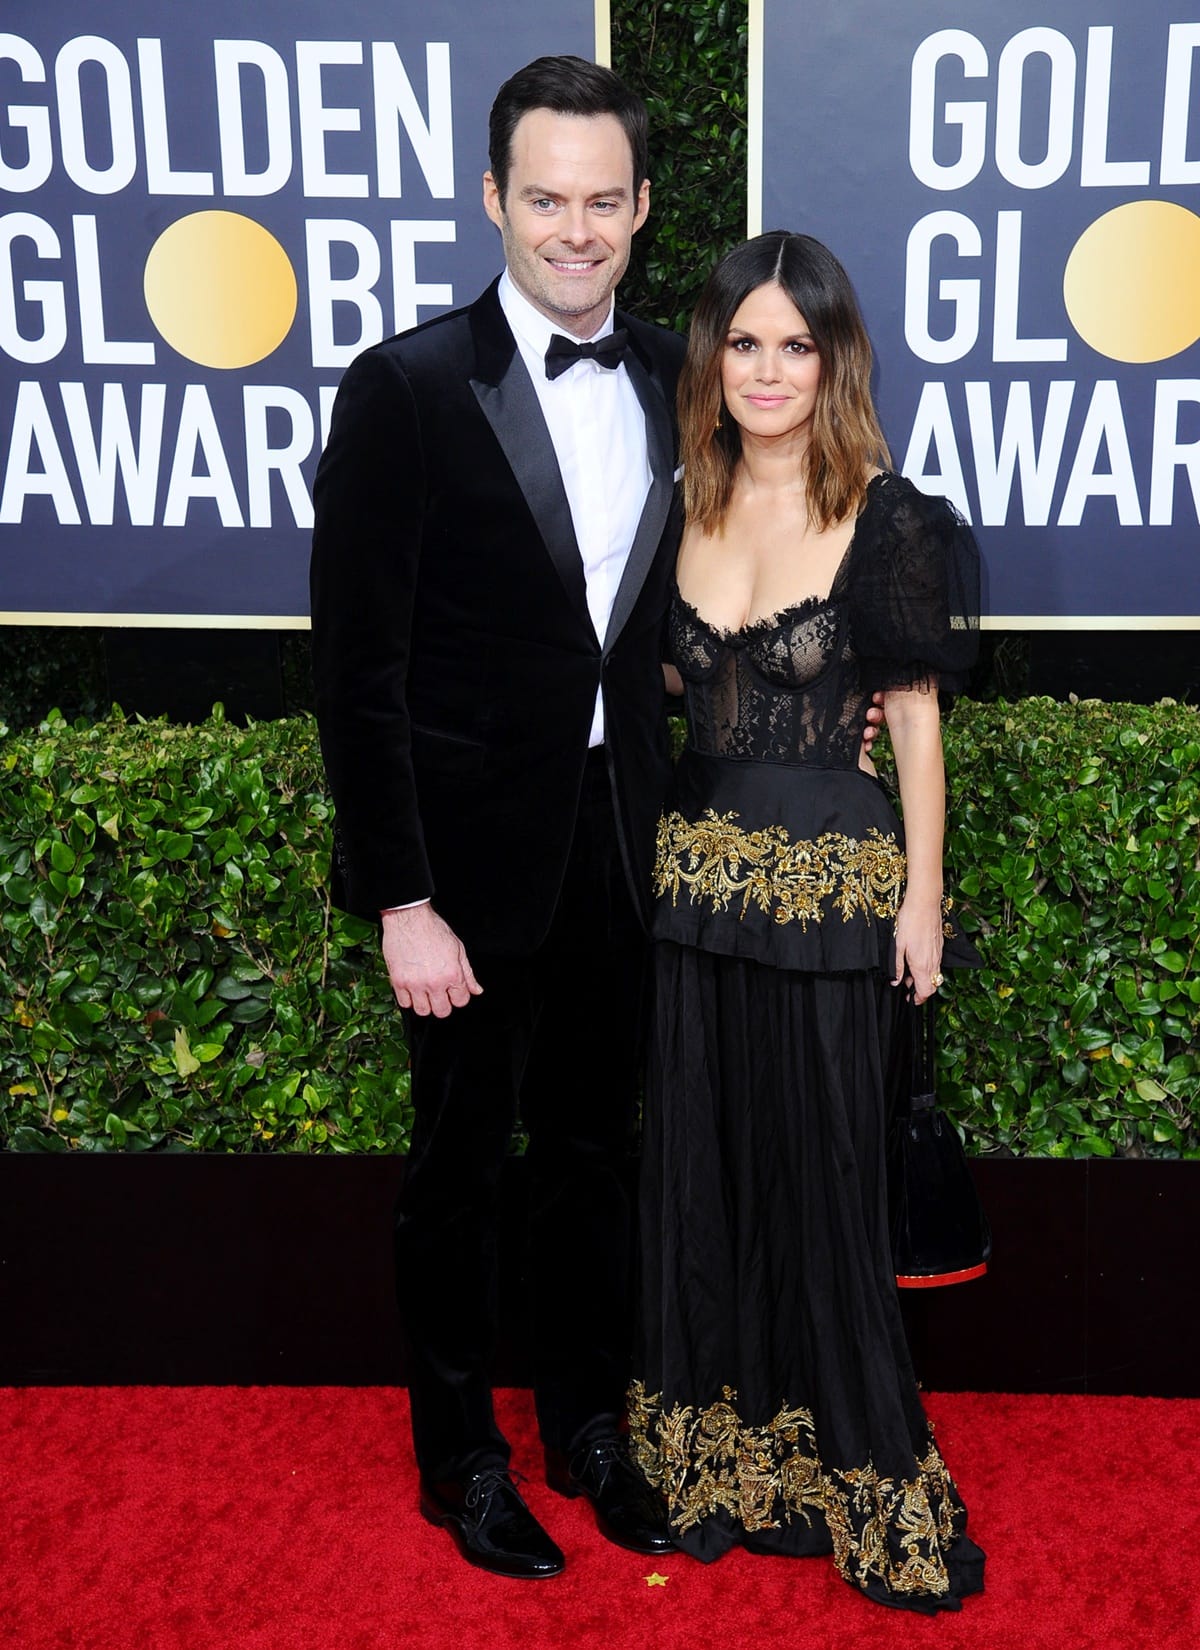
(770, 367)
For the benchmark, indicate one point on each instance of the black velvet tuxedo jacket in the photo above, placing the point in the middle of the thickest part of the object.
(456, 666)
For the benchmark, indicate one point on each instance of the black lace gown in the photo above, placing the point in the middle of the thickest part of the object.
(774, 1402)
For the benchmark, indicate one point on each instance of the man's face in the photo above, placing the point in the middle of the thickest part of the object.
(569, 214)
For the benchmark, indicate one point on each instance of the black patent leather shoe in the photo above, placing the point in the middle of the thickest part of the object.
(491, 1524)
(627, 1510)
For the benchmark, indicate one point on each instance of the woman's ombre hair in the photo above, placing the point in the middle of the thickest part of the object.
(846, 442)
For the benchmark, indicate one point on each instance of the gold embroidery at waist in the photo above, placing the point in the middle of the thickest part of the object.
(717, 860)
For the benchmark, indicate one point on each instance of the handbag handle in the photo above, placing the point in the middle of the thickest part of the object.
(923, 1051)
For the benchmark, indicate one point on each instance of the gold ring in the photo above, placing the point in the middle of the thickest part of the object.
(937, 980)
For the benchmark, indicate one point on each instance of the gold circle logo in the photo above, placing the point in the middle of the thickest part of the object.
(1132, 282)
(220, 289)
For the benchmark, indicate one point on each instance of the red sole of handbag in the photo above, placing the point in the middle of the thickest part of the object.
(939, 1280)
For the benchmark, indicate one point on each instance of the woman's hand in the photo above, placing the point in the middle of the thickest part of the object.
(919, 948)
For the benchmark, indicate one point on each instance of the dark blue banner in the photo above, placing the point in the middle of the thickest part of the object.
(208, 211)
(1015, 192)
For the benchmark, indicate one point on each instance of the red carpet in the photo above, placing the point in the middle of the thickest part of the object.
(285, 1519)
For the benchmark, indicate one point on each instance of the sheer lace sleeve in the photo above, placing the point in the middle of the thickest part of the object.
(915, 590)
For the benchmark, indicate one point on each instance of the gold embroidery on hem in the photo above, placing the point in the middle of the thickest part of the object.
(883, 1529)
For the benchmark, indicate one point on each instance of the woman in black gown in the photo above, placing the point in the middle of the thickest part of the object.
(775, 1404)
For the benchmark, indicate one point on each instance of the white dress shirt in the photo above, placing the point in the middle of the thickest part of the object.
(598, 430)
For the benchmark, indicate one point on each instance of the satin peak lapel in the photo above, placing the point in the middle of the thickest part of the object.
(660, 450)
(510, 405)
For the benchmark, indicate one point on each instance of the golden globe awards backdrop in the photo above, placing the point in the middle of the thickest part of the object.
(1015, 192)
(208, 211)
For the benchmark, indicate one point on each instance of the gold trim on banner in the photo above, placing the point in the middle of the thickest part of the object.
(1090, 621)
(166, 621)
(754, 120)
(603, 34)
(300, 621)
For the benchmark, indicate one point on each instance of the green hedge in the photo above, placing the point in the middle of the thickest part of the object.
(172, 976)
(1075, 850)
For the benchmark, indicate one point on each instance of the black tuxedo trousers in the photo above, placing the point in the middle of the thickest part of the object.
(554, 1042)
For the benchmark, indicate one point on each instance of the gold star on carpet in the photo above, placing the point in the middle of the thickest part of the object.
(655, 1580)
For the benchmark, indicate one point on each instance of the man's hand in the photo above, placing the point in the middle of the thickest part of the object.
(426, 962)
(875, 720)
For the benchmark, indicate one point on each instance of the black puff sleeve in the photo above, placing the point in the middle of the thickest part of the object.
(914, 591)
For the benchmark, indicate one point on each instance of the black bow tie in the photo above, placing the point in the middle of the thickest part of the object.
(562, 353)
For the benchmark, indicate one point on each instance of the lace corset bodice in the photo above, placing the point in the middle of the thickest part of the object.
(784, 689)
(795, 686)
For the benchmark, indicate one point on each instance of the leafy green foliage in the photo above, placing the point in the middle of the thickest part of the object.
(687, 58)
(172, 975)
(1074, 851)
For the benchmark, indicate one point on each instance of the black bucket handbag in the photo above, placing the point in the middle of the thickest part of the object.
(940, 1234)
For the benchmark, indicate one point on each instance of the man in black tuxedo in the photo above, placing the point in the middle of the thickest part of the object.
(494, 541)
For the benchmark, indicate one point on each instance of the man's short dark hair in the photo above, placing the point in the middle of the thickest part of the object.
(567, 86)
